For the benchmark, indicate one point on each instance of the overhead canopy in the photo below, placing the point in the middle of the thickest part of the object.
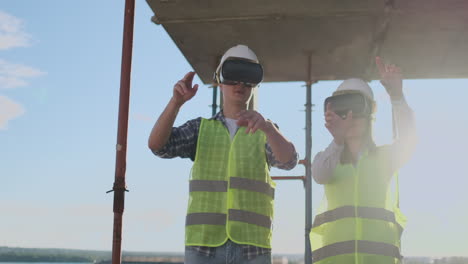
(340, 38)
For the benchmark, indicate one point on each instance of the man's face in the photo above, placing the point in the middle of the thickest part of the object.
(236, 93)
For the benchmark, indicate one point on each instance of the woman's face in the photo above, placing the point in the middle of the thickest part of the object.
(358, 128)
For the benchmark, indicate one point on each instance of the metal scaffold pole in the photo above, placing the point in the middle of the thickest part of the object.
(308, 174)
(119, 187)
(214, 106)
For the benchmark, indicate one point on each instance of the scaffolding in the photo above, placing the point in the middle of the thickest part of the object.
(332, 40)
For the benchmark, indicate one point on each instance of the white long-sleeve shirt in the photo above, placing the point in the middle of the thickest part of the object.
(401, 149)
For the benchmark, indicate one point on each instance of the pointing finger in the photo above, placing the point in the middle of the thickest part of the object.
(188, 77)
(256, 126)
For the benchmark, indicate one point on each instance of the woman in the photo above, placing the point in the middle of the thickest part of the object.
(360, 223)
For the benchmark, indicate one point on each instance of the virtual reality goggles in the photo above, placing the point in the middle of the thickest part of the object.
(237, 70)
(343, 103)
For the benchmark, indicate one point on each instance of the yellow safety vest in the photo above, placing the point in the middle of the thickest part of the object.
(361, 223)
(231, 192)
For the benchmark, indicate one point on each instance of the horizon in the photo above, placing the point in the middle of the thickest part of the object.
(182, 252)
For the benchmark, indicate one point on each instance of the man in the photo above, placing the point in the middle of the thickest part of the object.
(230, 208)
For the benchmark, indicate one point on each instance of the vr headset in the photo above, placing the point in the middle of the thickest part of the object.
(343, 103)
(238, 70)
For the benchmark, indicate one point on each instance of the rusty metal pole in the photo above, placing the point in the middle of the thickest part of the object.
(308, 158)
(119, 187)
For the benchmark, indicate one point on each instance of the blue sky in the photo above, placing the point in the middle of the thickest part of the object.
(59, 84)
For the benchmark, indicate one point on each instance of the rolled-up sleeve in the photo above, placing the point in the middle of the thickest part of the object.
(280, 165)
(182, 142)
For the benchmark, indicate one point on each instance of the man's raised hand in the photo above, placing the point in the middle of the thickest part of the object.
(183, 89)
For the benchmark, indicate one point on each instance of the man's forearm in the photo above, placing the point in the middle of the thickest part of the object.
(282, 149)
(163, 127)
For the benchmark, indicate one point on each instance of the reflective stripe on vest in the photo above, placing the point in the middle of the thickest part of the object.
(234, 215)
(362, 212)
(359, 246)
(205, 219)
(249, 218)
(252, 185)
(208, 186)
(235, 183)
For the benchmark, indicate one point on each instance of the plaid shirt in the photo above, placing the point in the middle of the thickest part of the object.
(183, 143)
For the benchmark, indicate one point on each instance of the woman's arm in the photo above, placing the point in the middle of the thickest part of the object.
(405, 138)
(325, 163)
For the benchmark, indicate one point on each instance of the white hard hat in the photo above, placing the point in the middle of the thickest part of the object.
(355, 85)
(238, 51)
